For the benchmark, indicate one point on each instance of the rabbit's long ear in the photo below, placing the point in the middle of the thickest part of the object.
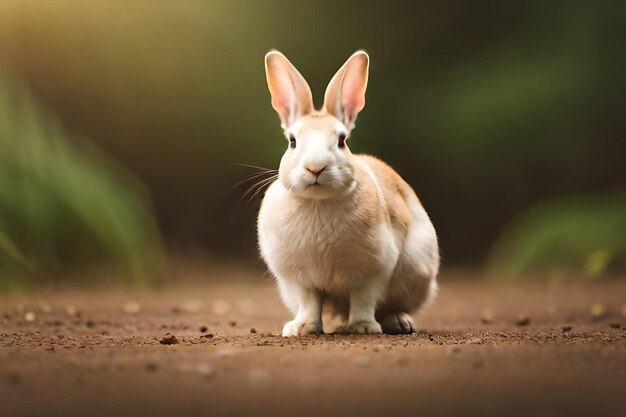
(291, 95)
(345, 94)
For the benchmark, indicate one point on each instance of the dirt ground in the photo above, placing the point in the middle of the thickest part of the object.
(483, 349)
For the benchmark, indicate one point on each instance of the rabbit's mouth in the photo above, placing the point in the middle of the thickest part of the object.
(330, 183)
(317, 190)
(321, 190)
(316, 184)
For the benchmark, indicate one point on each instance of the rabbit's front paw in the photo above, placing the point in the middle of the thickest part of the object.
(301, 328)
(361, 326)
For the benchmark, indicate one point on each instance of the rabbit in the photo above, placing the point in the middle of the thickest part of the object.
(336, 228)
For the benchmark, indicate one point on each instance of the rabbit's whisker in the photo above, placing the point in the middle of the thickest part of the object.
(263, 187)
(256, 187)
(254, 166)
(251, 177)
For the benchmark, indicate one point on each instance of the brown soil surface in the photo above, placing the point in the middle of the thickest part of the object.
(483, 349)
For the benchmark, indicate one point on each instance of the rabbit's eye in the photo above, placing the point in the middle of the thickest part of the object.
(342, 140)
(292, 142)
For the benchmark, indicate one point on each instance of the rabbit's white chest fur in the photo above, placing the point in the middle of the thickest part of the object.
(322, 244)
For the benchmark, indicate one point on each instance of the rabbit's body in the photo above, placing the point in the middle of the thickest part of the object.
(305, 242)
(341, 228)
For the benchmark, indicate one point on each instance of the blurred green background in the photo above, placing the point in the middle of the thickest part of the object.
(121, 124)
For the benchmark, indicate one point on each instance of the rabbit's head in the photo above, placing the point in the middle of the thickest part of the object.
(317, 163)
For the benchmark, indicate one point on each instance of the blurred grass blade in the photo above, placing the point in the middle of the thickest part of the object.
(64, 203)
(586, 234)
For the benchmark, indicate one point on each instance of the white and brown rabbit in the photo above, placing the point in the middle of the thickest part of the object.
(336, 228)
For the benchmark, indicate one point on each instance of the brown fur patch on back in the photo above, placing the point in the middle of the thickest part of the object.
(396, 191)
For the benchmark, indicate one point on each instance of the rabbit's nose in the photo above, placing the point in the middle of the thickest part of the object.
(315, 169)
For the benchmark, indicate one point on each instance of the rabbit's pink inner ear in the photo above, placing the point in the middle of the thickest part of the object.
(281, 89)
(354, 86)
(291, 95)
(345, 94)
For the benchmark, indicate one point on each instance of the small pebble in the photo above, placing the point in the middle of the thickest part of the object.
(30, 316)
(224, 353)
(598, 311)
(203, 328)
(232, 323)
(487, 316)
(252, 330)
(71, 311)
(204, 369)
(131, 307)
(45, 307)
(615, 325)
(168, 339)
(566, 329)
(522, 320)
(90, 323)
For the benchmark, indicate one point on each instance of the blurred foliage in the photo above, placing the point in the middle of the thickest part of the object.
(585, 234)
(486, 108)
(64, 203)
